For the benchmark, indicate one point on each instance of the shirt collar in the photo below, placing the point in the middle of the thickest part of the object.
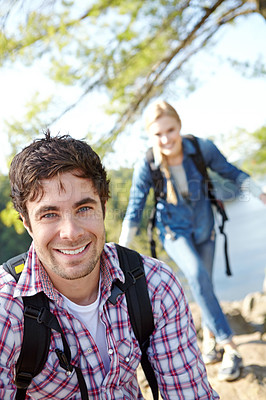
(188, 147)
(34, 278)
(110, 269)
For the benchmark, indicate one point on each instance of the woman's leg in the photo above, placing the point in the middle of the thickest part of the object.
(186, 256)
(206, 251)
(191, 261)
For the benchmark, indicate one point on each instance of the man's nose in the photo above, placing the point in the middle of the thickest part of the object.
(70, 228)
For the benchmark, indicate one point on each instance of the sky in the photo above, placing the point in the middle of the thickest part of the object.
(223, 102)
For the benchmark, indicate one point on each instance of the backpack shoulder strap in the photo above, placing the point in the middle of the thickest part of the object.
(35, 345)
(198, 157)
(139, 306)
(38, 322)
(157, 176)
(159, 193)
(201, 166)
(36, 336)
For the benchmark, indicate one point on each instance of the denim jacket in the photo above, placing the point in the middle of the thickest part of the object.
(192, 216)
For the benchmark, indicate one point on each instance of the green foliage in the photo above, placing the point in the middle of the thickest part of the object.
(13, 238)
(255, 70)
(251, 150)
(255, 161)
(120, 181)
(9, 217)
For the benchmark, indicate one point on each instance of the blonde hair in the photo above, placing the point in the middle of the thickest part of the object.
(157, 110)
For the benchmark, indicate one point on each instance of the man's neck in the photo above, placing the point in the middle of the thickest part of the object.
(82, 291)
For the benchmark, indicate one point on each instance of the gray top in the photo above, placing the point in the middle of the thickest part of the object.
(179, 175)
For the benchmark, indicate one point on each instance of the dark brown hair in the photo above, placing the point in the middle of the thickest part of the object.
(48, 157)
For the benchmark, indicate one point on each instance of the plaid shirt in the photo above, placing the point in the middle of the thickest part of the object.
(173, 349)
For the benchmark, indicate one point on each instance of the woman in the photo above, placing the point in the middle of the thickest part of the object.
(185, 222)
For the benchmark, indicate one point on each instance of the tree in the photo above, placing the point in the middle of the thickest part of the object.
(130, 51)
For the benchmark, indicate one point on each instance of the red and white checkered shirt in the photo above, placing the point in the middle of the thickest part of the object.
(173, 349)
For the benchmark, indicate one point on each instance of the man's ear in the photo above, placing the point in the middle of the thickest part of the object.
(104, 210)
(26, 225)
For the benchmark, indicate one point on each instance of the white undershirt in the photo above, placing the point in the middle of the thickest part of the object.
(89, 315)
(180, 178)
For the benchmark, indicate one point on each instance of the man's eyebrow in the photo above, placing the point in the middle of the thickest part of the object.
(44, 209)
(87, 200)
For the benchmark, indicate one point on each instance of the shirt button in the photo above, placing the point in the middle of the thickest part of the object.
(89, 350)
(110, 351)
(127, 359)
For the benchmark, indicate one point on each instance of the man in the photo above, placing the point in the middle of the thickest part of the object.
(60, 189)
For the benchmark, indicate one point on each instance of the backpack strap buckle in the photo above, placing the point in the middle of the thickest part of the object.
(119, 288)
(35, 313)
(136, 274)
(23, 379)
(63, 361)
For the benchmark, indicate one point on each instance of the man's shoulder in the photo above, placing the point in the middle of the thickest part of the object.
(11, 306)
(156, 270)
(6, 279)
(153, 263)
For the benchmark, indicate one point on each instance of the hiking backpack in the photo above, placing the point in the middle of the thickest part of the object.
(38, 322)
(159, 193)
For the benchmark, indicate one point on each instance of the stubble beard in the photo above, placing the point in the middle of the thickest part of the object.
(82, 269)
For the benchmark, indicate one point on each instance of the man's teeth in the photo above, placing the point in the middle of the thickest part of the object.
(77, 251)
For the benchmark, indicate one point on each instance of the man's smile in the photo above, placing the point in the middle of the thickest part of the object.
(72, 252)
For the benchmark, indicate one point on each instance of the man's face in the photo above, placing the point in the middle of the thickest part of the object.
(67, 226)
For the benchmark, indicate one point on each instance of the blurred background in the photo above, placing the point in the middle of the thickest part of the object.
(90, 69)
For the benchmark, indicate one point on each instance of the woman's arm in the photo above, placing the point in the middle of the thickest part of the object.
(141, 184)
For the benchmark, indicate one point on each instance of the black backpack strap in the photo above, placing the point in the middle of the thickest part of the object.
(157, 176)
(139, 306)
(150, 228)
(159, 193)
(201, 166)
(35, 345)
(36, 336)
(38, 322)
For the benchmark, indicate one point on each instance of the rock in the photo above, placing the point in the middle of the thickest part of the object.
(251, 385)
(248, 320)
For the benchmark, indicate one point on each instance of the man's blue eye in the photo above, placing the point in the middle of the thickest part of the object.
(85, 208)
(50, 215)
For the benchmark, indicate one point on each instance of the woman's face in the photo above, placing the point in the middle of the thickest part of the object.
(165, 132)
